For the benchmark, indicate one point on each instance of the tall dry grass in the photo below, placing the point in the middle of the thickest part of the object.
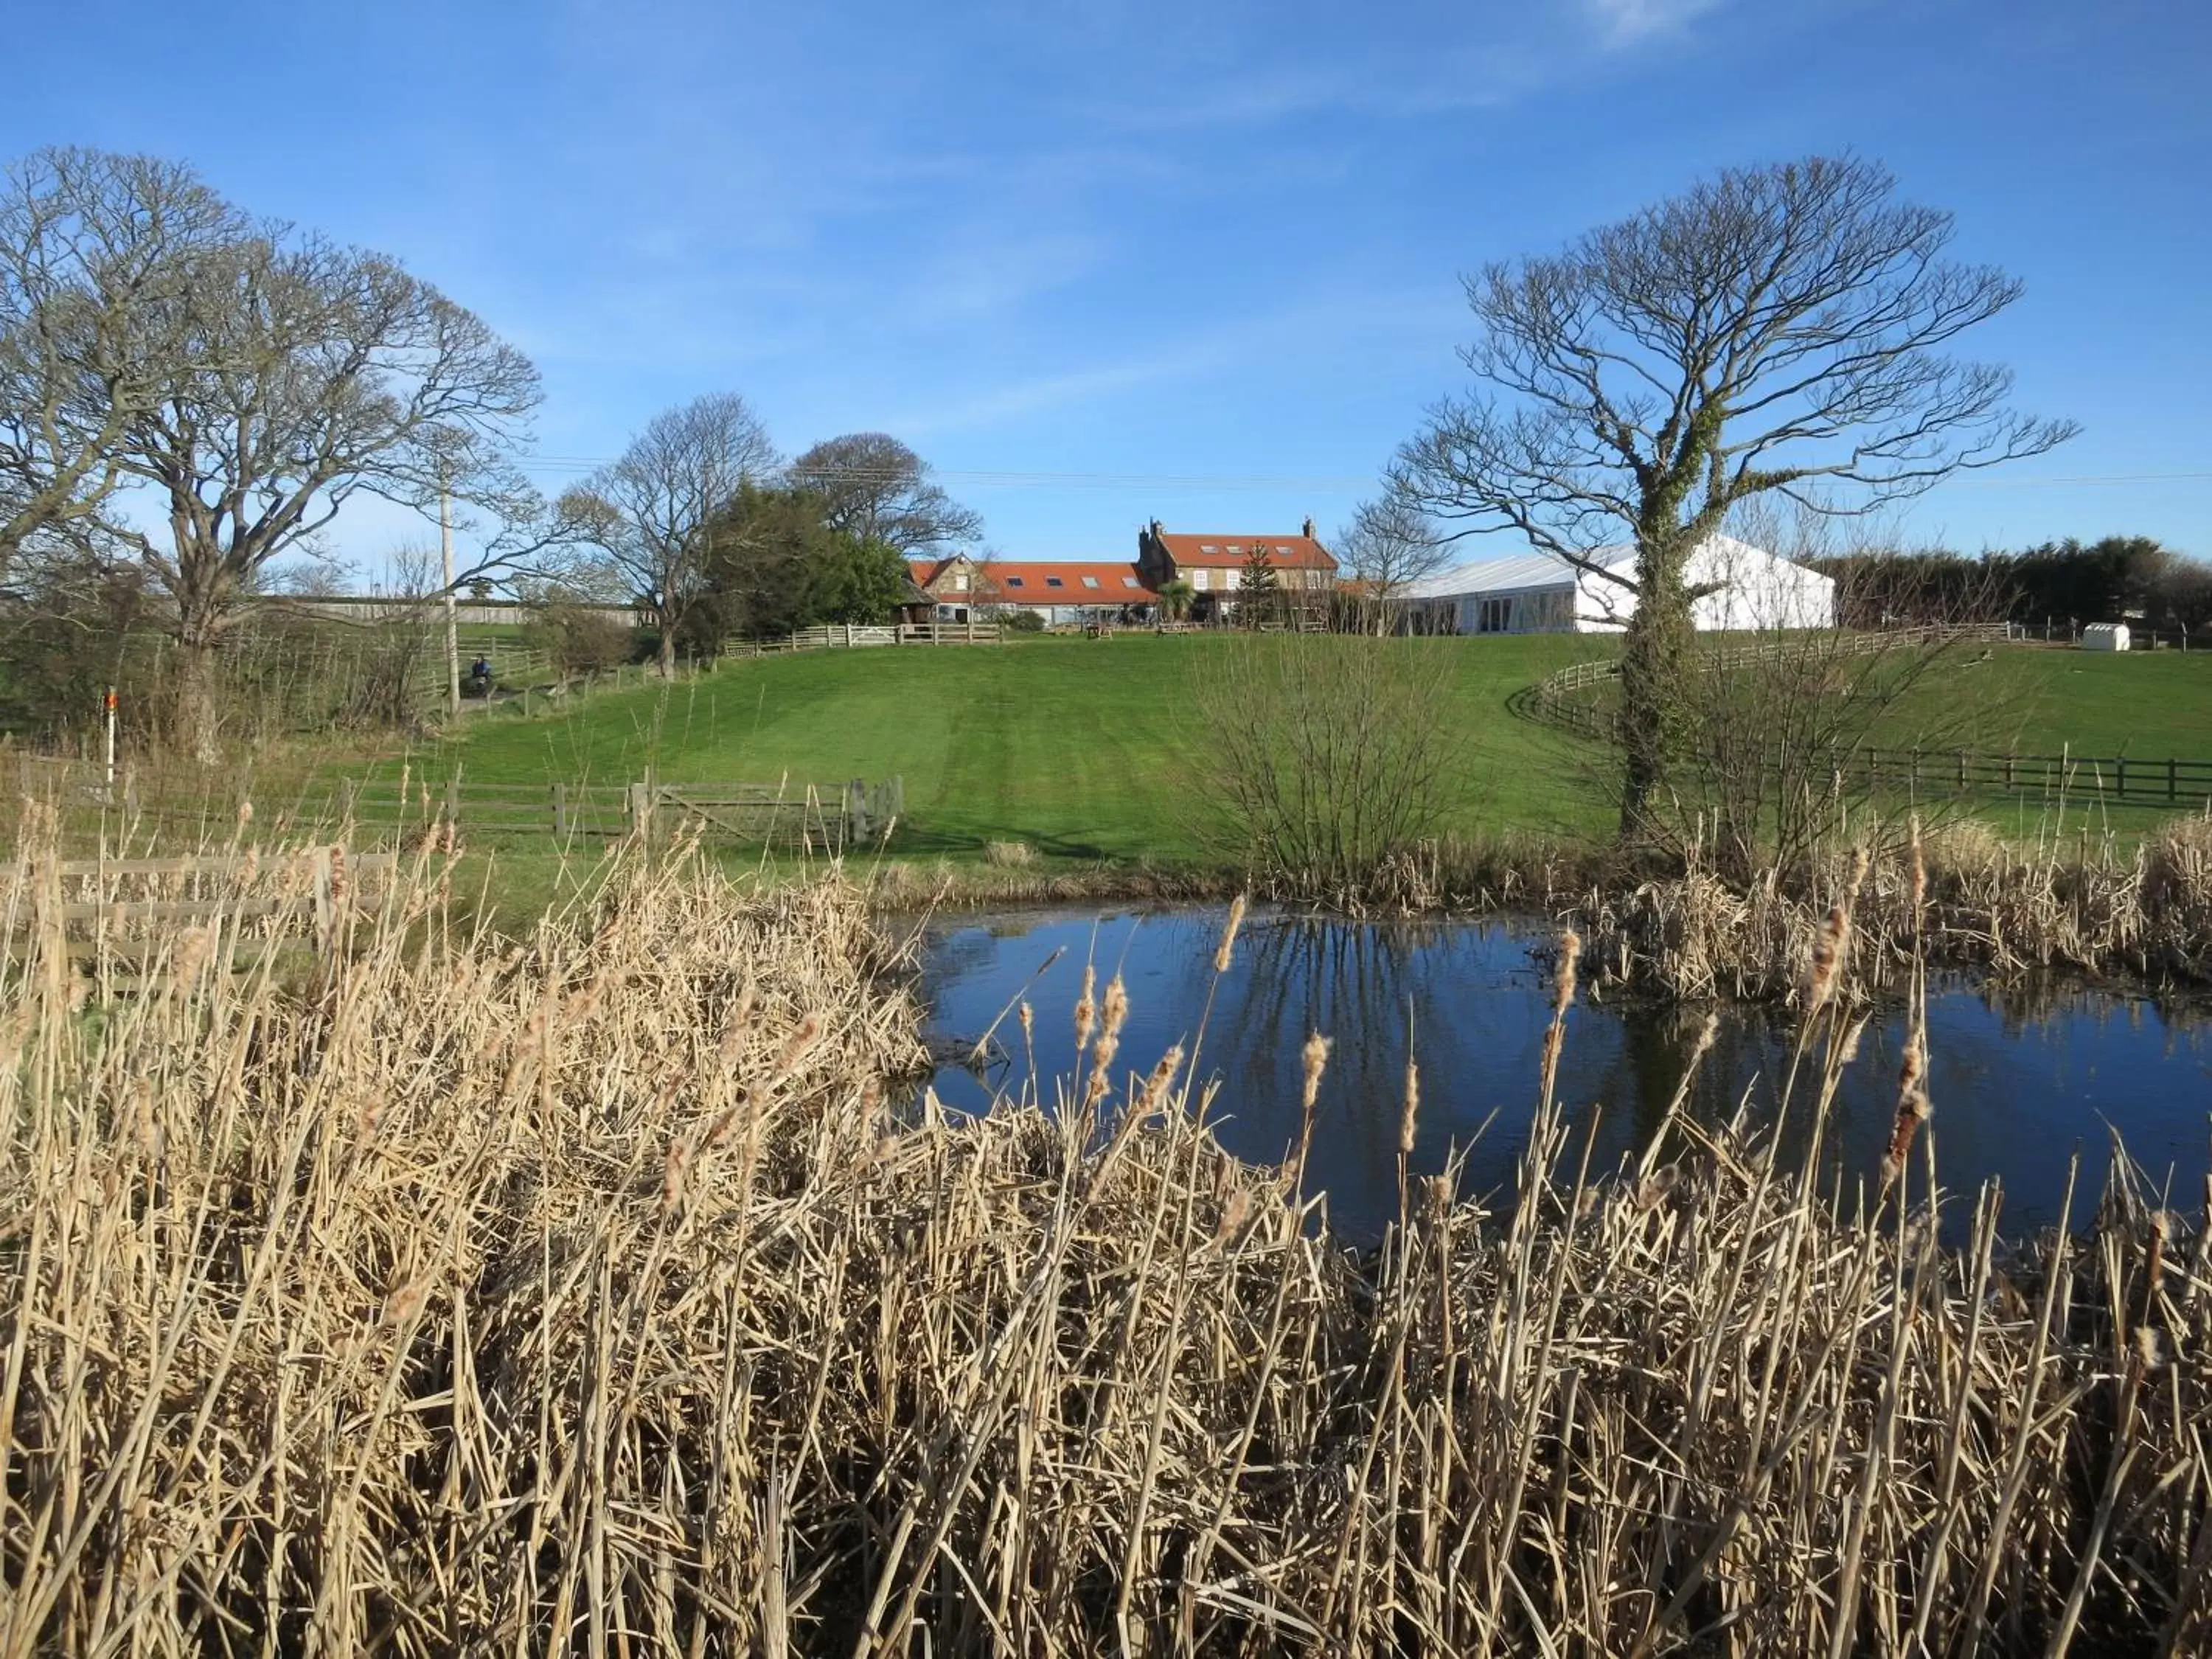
(590, 1293)
(2094, 904)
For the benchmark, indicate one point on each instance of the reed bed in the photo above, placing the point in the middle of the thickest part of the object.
(2091, 905)
(598, 1293)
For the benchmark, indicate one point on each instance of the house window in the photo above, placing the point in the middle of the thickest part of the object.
(1197, 581)
(1091, 582)
(1493, 616)
(960, 582)
(1014, 582)
(1053, 581)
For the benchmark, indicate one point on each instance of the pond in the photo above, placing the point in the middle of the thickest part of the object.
(2017, 1085)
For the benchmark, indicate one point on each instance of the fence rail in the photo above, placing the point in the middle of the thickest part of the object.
(1561, 700)
(840, 636)
(136, 908)
(812, 817)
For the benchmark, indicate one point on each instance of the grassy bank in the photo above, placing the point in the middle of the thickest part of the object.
(1086, 750)
(593, 1293)
(1090, 750)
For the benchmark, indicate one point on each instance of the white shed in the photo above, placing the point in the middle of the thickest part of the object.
(2105, 636)
(1542, 593)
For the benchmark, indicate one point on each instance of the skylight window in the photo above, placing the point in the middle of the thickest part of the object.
(1208, 547)
(1053, 581)
(1091, 582)
(1129, 581)
(1013, 582)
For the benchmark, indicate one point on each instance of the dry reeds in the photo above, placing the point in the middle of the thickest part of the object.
(584, 1294)
(1955, 899)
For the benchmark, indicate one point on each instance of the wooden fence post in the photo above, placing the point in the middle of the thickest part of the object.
(323, 919)
(2173, 781)
(560, 809)
(640, 812)
(856, 812)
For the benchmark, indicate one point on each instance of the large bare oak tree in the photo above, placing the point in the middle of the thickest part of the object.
(95, 251)
(655, 511)
(1774, 329)
(297, 376)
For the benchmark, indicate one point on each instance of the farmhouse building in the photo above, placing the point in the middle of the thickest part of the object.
(1214, 565)
(1746, 587)
(951, 584)
(1060, 590)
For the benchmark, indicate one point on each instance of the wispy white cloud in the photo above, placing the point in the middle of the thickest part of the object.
(1053, 390)
(1629, 23)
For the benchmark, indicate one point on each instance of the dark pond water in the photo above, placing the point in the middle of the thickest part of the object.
(2017, 1086)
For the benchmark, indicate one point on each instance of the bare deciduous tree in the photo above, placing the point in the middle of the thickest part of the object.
(1793, 738)
(301, 375)
(1775, 328)
(654, 513)
(95, 251)
(874, 488)
(1389, 546)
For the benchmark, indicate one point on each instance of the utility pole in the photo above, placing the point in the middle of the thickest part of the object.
(453, 626)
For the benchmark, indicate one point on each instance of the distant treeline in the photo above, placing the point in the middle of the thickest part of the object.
(2064, 583)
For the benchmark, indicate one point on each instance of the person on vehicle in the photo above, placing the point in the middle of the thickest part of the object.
(480, 677)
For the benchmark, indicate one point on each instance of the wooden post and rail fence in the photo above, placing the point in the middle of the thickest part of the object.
(813, 819)
(243, 905)
(1570, 699)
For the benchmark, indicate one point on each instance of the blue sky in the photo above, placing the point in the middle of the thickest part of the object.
(1100, 262)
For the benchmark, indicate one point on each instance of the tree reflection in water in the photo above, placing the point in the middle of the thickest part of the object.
(2017, 1080)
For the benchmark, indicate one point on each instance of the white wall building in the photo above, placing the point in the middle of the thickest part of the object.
(1542, 593)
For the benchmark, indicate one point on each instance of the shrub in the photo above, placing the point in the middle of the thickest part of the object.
(1323, 762)
(583, 639)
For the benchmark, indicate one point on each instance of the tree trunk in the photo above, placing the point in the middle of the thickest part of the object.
(1655, 656)
(194, 706)
(667, 649)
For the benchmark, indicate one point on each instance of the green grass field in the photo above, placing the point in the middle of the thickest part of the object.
(1090, 749)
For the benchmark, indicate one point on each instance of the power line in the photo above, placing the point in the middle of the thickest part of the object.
(983, 479)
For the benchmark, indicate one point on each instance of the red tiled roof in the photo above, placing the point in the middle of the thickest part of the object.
(1065, 581)
(1216, 552)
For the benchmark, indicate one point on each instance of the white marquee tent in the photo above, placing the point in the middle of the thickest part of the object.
(1542, 593)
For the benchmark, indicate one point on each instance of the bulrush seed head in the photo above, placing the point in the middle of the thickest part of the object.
(1828, 958)
(1315, 1054)
(1160, 1082)
(1110, 1032)
(1223, 957)
(1563, 979)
